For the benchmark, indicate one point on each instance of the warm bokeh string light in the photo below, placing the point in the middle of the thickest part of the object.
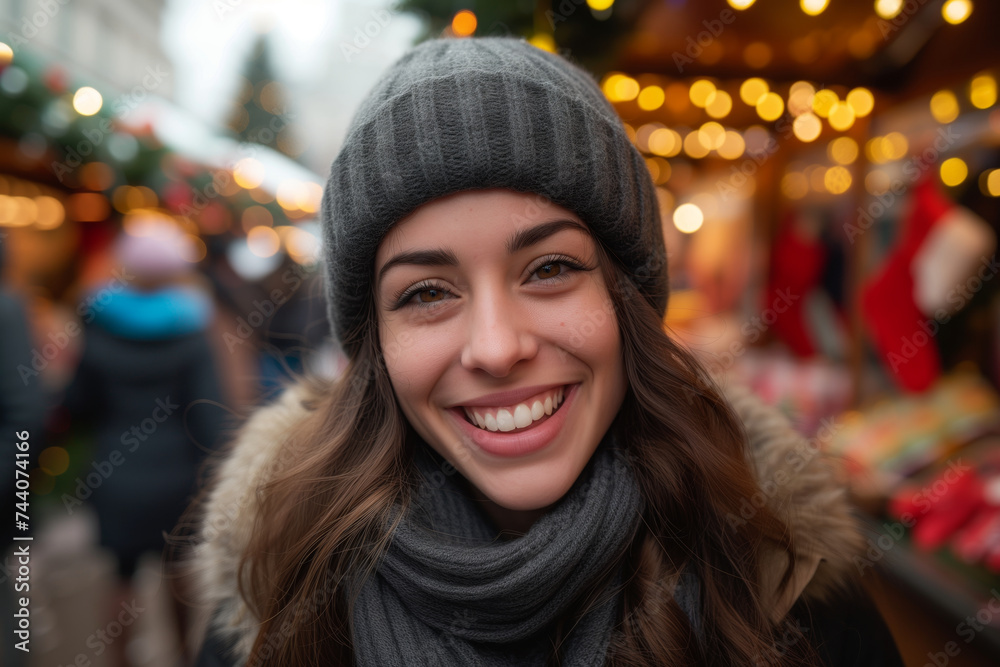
(944, 106)
(770, 106)
(814, 7)
(463, 24)
(752, 90)
(983, 91)
(888, 9)
(700, 92)
(688, 218)
(807, 127)
(719, 104)
(956, 11)
(954, 171)
(651, 98)
(87, 101)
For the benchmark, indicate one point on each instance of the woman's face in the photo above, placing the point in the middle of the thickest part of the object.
(492, 307)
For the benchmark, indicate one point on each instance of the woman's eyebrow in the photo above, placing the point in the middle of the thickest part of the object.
(528, 237)
(520, 240)
(436, 257)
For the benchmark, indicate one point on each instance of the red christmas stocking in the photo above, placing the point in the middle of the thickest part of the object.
(898, 328)
(796, 267)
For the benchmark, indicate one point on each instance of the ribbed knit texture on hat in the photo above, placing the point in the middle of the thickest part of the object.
(463, 114)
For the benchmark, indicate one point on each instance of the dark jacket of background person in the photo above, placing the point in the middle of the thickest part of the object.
(146, 360)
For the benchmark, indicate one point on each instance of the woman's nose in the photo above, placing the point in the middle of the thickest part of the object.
(500, 334)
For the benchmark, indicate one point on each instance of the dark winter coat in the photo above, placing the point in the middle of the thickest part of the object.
(148, 385)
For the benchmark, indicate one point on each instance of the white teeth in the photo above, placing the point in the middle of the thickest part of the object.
(523, 414)
(505, 420)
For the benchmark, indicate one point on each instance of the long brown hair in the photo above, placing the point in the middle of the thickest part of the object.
(325, 518)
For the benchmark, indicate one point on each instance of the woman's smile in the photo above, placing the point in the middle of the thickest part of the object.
(516, 430)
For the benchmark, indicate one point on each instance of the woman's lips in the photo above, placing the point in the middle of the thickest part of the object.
(522, 415)
(523, 440)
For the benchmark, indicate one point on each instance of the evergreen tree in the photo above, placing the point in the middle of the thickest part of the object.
(260, 114)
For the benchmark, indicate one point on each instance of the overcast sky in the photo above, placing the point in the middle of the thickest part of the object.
(313, 45)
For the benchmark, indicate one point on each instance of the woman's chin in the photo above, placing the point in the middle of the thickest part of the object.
(524, 494)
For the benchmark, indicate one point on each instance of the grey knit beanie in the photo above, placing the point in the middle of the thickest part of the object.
(463, 114)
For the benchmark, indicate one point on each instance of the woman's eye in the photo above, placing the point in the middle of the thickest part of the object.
(550, 270)
(430, 295)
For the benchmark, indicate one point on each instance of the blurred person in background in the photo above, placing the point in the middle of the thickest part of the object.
(22, 406)
(145, 383)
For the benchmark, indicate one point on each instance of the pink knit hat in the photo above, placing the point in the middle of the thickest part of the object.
(155, 249)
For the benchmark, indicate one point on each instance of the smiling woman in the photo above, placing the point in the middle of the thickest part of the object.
(519, 465)
(488, 313)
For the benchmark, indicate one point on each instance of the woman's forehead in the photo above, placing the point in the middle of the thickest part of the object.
(474, 217)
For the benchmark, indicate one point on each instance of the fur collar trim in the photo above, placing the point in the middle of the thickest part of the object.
(797, 482)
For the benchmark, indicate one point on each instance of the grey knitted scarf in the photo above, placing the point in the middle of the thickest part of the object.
(449, 592)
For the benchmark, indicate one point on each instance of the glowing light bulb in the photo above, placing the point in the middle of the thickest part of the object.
(464, 23)
(841, 116)
(956, 11)
(843, 150)
(807, 127)
(752, 90)
(813, 7)
(87, 101)
(700, 91)
(688, 218)
(888, 9)
(651, 98)
(770, 106)
(626, 89)
(719, 104)
(983, 91)
(944, 106)
(862, 101)
(954, 171)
